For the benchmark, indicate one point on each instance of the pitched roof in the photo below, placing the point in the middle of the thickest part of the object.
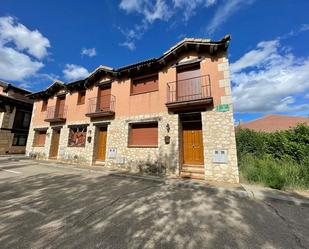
(272, 123)
(170, 54)
(7, 86)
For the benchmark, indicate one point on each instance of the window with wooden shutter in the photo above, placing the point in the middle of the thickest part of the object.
(44, 105)
(143, 135)
(40, 137)
(81, 98)
(145, 84)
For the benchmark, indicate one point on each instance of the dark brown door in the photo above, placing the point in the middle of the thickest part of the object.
(101, 146)
(60, 107)
(104, 98)
(193, 143)
(189, 83)
(55, 143)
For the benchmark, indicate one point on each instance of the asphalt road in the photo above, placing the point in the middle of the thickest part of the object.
(47, 207)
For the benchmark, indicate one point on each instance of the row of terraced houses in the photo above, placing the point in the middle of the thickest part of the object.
(169, 114)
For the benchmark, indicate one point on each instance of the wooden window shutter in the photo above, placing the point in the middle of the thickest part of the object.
(40, 138)
(145, 84)
(143, 134)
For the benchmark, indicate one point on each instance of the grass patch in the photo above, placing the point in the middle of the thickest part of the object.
(278, 160)
(274, 173)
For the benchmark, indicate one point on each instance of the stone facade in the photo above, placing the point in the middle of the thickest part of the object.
(219, 134)
(133, 158)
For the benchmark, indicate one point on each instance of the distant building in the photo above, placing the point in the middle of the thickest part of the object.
(15, 117)
(272, 123)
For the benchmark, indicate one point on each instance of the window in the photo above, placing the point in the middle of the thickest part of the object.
(81, 98)
(21, 119)
(26, 120)
(145, 84)
(39, 138)
(77, 136)
(44, 105)
(143, 135)
(19, 140)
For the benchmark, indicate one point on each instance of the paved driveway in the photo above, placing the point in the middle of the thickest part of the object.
(48, 207)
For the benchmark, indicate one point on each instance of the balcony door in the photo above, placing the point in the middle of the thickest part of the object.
(189, 83)
(59, 112)
(104, 98)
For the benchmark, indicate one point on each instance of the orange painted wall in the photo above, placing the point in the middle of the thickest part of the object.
(132, 105)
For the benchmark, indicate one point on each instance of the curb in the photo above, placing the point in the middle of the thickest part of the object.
(246, 193)
(219, 190)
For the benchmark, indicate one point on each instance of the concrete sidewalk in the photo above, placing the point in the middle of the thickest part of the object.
(239, 190)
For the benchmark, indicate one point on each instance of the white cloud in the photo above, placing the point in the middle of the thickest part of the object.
(270, 78)
(265, 50)
(225, 11)
(17, 66)
(130, 45)
(89, 52)
(21, 50)
(189, 7)
(151, 10)
(73, 72)
(33, 42)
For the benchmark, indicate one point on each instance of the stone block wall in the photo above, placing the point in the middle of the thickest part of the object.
(164, 154)
(81, 155)
(6, 137)
(219, 133)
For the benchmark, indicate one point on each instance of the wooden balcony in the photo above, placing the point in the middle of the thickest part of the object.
(187, 94)
(56, 114)
(103, 106)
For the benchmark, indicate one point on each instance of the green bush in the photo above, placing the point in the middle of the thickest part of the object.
(278, 160)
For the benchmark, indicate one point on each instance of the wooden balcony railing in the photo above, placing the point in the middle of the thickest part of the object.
(101, 106)
(56, 113)
(196, 90)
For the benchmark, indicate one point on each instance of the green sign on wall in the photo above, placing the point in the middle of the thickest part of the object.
(222, 108)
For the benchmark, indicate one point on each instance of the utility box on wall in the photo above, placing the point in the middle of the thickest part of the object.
(112, 153)
(220, 156)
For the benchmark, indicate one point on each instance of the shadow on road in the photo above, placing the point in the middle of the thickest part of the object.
(79, 211)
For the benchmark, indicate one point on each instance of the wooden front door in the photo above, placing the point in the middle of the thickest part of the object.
(104, 98)
(60, 107)
(101, 145)
(189, 83)
(192, 143)
(55, 143)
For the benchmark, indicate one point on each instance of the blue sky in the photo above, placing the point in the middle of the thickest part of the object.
(269, 54)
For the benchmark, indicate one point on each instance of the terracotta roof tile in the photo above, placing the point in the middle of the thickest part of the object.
(272, 123)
